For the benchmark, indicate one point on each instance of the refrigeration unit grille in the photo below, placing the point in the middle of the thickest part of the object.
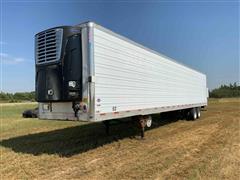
(48, 46)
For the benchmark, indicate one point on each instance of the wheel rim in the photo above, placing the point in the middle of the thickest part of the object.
(195, 115)
(149, 122)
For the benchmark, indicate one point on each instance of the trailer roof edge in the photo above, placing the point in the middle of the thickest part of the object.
(93, 24)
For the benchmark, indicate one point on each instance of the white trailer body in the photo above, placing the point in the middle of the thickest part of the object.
(122, 78)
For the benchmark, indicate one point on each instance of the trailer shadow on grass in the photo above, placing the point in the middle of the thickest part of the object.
(74, 140)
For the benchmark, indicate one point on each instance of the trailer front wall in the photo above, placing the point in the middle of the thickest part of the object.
(129, 77)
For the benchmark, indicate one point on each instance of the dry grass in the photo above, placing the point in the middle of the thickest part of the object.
(208, 148)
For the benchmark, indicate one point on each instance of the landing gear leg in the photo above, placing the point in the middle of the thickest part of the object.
(144, 121)
(142, 124)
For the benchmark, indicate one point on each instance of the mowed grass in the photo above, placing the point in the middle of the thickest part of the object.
(208, 148)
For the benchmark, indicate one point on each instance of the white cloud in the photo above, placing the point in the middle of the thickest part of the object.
(2, 43)
(9, 59)
(3, 55)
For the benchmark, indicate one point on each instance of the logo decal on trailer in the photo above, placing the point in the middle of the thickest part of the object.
(114, 108)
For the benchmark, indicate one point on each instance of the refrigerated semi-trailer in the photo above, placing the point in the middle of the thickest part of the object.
(87, 72)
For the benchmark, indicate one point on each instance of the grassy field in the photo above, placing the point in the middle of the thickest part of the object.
(208, 148)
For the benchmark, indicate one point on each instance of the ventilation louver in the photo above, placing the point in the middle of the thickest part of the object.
(48, 46)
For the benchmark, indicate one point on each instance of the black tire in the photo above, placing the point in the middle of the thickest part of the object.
(198, 112)
(193, 114)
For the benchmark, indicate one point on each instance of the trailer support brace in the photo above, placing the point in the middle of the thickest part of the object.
(142, 124)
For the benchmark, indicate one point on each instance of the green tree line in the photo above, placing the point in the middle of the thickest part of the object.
(226, 91)
(17, 97)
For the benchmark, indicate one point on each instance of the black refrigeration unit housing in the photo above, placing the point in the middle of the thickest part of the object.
(58, 58)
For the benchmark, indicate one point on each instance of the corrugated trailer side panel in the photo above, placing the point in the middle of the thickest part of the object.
(129, 77)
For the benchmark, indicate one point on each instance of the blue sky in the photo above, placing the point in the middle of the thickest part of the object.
(202, 35)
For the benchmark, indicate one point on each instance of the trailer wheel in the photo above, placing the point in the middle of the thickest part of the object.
(149, 121)
(198, 112)
(193, 114)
